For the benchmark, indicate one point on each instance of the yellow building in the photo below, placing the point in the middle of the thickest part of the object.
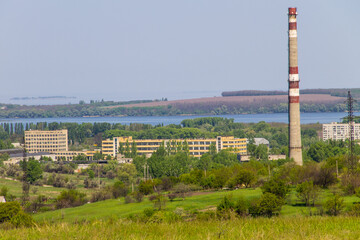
(197, 147)
(46, 141)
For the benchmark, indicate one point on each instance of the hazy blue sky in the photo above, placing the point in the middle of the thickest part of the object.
(145, 49)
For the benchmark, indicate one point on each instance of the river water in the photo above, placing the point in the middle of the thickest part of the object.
(166, 120)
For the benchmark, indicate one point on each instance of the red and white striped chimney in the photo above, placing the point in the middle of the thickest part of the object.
(295, 149)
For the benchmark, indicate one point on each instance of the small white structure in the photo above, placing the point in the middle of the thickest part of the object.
(258, 141)
(2, 199)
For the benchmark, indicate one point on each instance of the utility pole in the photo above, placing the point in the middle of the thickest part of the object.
(25, 185)
(351, 158)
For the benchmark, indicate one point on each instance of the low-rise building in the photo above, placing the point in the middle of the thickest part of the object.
(197, 147)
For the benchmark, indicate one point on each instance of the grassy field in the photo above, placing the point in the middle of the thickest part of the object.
(15, 187)
(248, 228)
(204, 201)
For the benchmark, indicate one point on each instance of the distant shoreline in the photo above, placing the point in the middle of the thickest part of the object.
(41, 98)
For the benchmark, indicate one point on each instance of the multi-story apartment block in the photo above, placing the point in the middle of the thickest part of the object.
(340, 131)
(46, 141)
(197, 147)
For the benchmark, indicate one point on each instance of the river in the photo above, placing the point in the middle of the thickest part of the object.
(166, 120)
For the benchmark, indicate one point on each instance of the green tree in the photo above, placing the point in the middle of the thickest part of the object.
(127, 149)
(334, 205)
(276, 186)
(268, 205)
(33, 171)
(133, 149)
(246, 177)
(307, 192)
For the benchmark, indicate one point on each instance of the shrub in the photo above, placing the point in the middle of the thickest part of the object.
(226, 204)
(276, 186)
(8, 210)
(146, 187)
(181, 190)
(138, 196)
(129, 199)
(11, 212)
(241, 206)
(307, 192)
(119, 189)
(172, 196)
(159, 201)
(268, 205)
(355, 210)
(101, 195)
(148, 212)
(22, 220)
(334, 205)
(70, 198)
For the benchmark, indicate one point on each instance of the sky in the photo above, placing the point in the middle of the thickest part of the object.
(140, 49)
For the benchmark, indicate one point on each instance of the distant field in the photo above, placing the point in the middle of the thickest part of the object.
(239, 100)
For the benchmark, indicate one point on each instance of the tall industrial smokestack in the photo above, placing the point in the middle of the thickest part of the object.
(295, 150)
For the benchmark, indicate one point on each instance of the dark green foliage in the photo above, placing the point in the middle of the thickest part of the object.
(241, 206)
(33, 170)
(226, 204)
(138, 196)
(119, 189)
(334, 205)
(277, 187)
(268, 205)
(146, 187)
(9, 210)
(70, 198)
(246, 177)
(307, 192)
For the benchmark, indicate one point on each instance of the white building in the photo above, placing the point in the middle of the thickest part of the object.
(340, 131)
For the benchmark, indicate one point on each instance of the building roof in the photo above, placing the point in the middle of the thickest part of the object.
(259, 141)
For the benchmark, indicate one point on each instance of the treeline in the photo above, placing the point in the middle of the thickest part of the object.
(209, 108)
(207, 127)
(339, 92)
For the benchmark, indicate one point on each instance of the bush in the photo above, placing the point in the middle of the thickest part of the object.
(334, 205)
(11, 212)
(172, 196)
(181, 190)
(241, 207)
(148, 212)
(101, 195)
(268, 205)
(70, 198)
(307, 192)
(129, 199)
(138, 196)
(22, 220)
(355, 210)
(146, 187)
(159, 201)
(276, 186)
(8, 210)
(119, 189)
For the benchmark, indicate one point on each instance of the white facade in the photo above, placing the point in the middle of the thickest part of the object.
(340, 131)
